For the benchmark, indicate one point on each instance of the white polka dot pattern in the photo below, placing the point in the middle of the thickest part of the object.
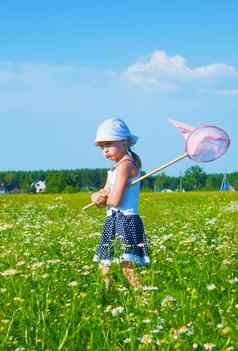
(130, 229)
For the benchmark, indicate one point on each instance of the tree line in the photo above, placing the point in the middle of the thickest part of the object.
(70, 181)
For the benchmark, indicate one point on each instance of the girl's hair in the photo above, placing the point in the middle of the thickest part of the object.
(135, 157)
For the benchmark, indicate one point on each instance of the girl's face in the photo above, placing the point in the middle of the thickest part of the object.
(113, 150)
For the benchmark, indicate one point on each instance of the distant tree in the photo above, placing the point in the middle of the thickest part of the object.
(194, 178)
(25, 183)
(147, 183)
(213, 182)
(91, 179)
(70, 189)
(233, 179)
(55, 182)
(163, 181)
(10, 180)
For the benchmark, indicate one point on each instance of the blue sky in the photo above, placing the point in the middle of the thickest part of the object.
(67, 66)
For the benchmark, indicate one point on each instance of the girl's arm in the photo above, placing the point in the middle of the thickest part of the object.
(100, 197)
(124, 171)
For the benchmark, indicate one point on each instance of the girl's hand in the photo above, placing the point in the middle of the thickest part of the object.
(105, 191)
(99, 198)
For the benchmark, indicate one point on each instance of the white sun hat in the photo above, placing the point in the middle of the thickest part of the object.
(115, 129)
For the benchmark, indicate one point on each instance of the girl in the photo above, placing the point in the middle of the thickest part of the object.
(115, 139)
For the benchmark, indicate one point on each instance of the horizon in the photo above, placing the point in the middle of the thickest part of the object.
(102, 168)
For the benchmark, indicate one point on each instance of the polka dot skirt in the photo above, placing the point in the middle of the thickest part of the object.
(130, 230)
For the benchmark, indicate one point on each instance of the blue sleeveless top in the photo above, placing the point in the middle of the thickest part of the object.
(129, 202)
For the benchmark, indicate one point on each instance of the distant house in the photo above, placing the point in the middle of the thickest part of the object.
(166, 191)
(2, 189)
(40, 186)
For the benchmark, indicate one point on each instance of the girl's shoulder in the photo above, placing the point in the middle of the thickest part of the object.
(127, 164)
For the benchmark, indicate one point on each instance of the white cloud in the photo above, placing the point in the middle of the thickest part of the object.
(43, 89)
(163, 71)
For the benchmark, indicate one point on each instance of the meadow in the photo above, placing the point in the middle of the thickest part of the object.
(52, 296)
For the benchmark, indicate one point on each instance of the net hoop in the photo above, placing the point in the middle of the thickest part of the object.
(227, 144)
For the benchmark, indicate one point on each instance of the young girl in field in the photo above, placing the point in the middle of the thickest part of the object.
(115, 139)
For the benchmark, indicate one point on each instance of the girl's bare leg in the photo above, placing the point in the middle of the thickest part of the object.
(130, 274)
(105, 274)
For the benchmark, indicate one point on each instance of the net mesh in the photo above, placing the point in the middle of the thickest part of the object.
(207, 143)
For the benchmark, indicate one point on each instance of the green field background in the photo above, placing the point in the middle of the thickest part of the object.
(52, 296)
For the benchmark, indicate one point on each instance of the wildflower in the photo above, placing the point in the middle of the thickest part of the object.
(45, 275)
(212, 221)
(9, 272)
(5, 321)
(18, 300)
(146, 321)
(166, 237)
(209, 346)
(127, 340)
(54, 261)
(85, 273)
(108, 308)
(82, 295)
(117, 310)
(146, 339)
(195, 346)
(211, 287)
(233, 281)
(175, 334)
(186, 329)
(232, 207)
(73, 284)
(226, 261)
(160, 324)
(37, 265)
(167, 300)
(225, 331)
(157, 329)
(5, 226)
(183, 329)
(220, 325)
(150, 288)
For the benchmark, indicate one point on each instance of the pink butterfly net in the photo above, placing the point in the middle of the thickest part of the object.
(203, 144)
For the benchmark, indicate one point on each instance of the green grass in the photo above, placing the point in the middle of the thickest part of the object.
(52, 297)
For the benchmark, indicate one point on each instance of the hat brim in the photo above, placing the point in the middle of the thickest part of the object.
(132, 139)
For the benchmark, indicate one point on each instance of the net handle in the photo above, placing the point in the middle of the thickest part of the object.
(154, 171)
(161, 168)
